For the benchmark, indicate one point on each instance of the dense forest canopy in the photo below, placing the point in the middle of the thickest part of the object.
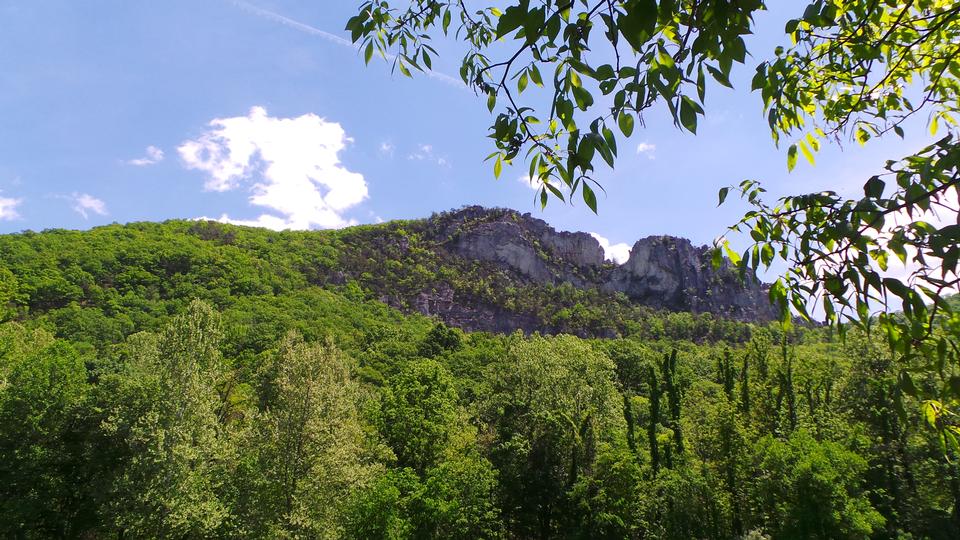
(196, 379)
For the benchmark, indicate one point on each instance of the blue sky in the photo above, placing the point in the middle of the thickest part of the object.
(119, 111)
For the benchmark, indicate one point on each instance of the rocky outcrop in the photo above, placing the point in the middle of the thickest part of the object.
(524, 244)
(663, 272)
(670, 273)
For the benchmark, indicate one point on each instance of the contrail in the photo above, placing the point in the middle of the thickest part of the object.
(333, 38)
(296, 25)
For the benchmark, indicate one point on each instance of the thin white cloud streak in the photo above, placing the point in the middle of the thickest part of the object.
(291, 23)
(332, 38)
(153, 156)
(618, 253)
(290, 166)
(8, 208)
(85, 204)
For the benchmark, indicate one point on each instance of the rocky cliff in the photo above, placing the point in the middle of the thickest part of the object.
(670, 273)
(663, 272)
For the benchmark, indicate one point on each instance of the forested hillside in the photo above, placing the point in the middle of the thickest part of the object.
(200, 380)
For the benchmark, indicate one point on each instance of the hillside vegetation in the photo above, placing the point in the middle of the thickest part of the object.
(201, 380)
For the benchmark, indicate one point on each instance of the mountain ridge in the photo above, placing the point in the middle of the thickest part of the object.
(478, 269)
(662, 272)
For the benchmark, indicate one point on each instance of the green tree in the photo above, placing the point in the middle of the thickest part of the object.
(166, 414)
(42, 458)
(8, 294)
(555, 402)
(309, 445)
(805, 488)
(459, 499)
(419, 414)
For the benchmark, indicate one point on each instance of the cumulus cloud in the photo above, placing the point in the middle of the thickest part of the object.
(290, 166)
(8, 208)
(648, 149)
(85, 204)
(618, 253)
(152, 155)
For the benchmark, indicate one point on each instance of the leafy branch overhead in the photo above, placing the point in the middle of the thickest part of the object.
(564, 77)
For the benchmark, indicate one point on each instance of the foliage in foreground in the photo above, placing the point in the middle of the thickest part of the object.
(181, 432)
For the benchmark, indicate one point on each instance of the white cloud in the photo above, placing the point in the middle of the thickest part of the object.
(525, 180)
(84, 204)
(153, 155)
(290, 166)
(8, 208)
(648, 149)
(387, 148)
(618, 253)
(425, 152)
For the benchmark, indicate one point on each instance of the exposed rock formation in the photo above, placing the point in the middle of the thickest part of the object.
(663, 271)
(670, 273)
(523, 243)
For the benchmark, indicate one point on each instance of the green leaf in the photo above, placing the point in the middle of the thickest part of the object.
(719, 76)
(806, 153)
(522, 83)
(638, 22)
(583, 98)
(723, 195)
(688, 114)
(590, 197)
(497, 167)
(731, 254)
(446, 20)
(556, 192)
(791, 157)
(610, 139)
(491, 100)
(575, 79)
(510, 20)
(368, 53)
(625, 121)
(535, 76)
(716, 258)
(874, 187)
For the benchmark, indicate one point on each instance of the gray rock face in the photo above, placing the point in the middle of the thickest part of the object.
(670, 273)
(524, 244)
(504, 242)
(663, 272)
